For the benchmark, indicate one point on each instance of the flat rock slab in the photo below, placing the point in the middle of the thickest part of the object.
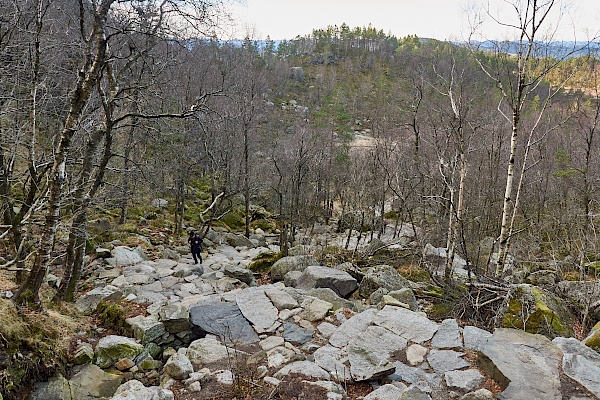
(351, 328)
(335, 361)
(446, 360)
(370, 354)
(527, 365)
(223, 319)
(403, 322)
(464, 380)
(258, 309)
(281, 299)
(306, 368)
(447, 336)
(425, 381)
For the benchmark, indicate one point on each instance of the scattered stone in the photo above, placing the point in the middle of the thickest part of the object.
(415, 354)
(386, 392)
(179, 366)
(464, 380)
(316, 310)
(295, 334)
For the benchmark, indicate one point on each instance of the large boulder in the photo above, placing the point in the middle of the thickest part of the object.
(536, 310)
(126, 256)
(135, 390)
(526, 366)
(88, 302)
(381, 276)
(92, 383)
(290, 263)
(580, 363)
(236, 240)
(323, 277)
(112, 348)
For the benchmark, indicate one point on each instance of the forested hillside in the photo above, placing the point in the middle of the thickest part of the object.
(131, 116)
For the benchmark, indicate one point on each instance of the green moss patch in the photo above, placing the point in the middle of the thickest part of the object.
(263, 262)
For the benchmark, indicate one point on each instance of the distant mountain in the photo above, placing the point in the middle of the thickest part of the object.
(551, 49)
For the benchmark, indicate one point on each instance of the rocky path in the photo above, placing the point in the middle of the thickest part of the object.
(209, 326)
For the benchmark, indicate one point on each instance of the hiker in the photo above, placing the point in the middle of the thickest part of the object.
(195, 242)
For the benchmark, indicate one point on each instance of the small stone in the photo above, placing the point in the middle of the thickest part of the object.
(272, 381)
(124, 364)
(195, 387)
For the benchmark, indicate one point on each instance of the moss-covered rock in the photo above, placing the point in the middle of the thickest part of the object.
(263, 262)
(593, 339)
(536, 310)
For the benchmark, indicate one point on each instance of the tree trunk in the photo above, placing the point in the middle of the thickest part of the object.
(28, 293)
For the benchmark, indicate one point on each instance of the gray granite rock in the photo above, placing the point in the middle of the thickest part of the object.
(258, 309)
(386, 392)
(464, 380)
(352, 328)
(335, 361)
(93, 383)
(175, 317)
(447, 336)
(223, 319)
(281, 299)
(179, 366)
(370, 353)
(88, 302)
(381, 276)
(527, 365)
(323, 277)
(409, 325)
(475, 338)
(580, 363)
(135, 390)
(296, 335)
(243, 274)
(125, 256)
(290, 263)
(146, 329)
(305, 368)
(425, 381)
(446, 360)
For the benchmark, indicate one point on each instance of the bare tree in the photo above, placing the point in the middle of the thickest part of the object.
(518, 78)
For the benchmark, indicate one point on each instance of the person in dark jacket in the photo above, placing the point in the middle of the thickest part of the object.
(195, 242)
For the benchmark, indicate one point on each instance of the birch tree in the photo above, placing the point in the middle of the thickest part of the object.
(518, 76)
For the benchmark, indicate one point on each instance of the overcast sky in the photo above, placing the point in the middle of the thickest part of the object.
(439, 19)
